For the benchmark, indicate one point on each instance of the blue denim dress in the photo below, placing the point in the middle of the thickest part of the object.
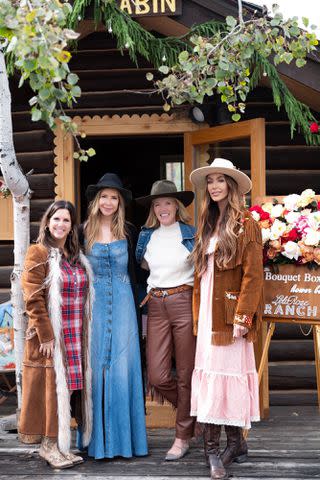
(118, 406)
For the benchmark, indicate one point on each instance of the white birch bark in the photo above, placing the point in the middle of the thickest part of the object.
(18, 185)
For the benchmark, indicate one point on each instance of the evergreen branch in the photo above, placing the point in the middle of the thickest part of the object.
(299, 114)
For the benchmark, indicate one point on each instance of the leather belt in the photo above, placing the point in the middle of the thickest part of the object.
(164, 292)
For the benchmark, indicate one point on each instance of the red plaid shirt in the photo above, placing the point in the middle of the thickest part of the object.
(74, 289)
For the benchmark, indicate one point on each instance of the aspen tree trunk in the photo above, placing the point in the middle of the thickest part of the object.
(18, 185)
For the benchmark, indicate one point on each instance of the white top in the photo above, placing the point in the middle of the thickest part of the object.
(167, 258)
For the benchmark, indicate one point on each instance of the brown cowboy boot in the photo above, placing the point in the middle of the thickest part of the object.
(236, 449)
(50, 452)
(211, 448)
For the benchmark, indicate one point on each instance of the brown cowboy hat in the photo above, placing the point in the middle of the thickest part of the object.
(166, 188)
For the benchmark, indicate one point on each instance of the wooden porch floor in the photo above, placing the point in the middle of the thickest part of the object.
(285, 446)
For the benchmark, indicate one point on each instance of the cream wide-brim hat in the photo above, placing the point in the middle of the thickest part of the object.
(224, 166)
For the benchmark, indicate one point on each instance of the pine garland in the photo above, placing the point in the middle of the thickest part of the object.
(298, 113)
(132, 36)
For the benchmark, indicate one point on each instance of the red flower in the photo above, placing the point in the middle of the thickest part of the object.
(314, 127)
(264, 215)
(318, 206)
(291, 236)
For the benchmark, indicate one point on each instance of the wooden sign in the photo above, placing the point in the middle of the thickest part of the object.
(151, 8)
(292, 293)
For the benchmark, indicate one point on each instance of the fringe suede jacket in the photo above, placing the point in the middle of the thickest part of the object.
(237, 296)
(45, 396)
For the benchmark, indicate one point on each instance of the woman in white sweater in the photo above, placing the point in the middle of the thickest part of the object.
(163, 248)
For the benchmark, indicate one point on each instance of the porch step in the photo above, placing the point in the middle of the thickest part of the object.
(294, 397)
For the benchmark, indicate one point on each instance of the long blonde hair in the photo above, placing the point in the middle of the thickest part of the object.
(229, 228)
(181, 215)
(92, 225)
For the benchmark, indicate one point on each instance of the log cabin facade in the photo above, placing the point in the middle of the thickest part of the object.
(134, 138)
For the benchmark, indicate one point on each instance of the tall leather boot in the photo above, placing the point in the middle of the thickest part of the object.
(236, 449)
(50, 452)
(211, 448)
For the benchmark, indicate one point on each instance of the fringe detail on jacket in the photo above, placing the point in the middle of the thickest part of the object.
(53, 284)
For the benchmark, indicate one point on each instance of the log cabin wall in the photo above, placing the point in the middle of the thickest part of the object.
(104, 75)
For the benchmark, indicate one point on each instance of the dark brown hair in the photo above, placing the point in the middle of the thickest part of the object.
(72, 242)
(230, 227)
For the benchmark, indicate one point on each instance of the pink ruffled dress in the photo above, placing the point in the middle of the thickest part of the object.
(225, 389)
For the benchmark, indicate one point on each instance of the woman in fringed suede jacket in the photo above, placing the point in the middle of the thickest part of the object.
(58, 294)
(227, 304)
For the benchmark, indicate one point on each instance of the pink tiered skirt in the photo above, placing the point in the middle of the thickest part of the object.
(225, 388)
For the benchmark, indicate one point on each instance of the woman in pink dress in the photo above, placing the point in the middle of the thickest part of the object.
(227, 304)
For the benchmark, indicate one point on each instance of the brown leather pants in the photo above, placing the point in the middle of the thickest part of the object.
(170, 333)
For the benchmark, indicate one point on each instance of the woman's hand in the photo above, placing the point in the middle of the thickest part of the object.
(239, 331)
(47, 349)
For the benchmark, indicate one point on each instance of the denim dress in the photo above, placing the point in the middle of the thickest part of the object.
(118, 403)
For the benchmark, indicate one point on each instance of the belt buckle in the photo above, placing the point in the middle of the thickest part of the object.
(165, 293)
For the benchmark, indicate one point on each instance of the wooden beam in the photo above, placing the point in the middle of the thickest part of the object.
(165, 25)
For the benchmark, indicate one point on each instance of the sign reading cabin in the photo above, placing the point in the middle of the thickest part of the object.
(150, 8)
(292, 293)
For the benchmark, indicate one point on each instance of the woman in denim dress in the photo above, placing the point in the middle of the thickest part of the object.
(117, 388)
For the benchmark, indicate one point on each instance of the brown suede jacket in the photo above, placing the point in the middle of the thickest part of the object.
(237, 296)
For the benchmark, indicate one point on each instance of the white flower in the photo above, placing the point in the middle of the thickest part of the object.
(267, 207)
(277, 210)
(291, 250)
(265, 232)
(292, 217)
(277, 230)
(306, 197)
(312, 238)
(314, 220)
(290, 201)
(255, 215)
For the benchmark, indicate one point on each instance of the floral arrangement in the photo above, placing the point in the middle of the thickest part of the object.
(290, 229)
(4, 190)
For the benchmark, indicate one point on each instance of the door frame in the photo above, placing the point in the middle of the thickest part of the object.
(252, 129)
(67, 168)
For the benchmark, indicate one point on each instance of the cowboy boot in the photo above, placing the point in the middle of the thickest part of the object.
(75, 459)
(236, 449)
(211, 449)
(50, 452)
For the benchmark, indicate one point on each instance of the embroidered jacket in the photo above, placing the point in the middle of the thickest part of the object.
(237, 296)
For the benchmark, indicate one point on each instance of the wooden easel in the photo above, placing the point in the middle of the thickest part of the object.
(264, 357)
(316, 343)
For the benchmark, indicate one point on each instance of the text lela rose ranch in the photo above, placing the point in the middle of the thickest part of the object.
(293, 292)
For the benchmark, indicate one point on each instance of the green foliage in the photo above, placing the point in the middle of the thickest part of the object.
(230, 62)
(38, 37)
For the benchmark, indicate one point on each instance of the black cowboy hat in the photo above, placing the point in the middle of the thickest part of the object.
(166, 188)
(109, 180)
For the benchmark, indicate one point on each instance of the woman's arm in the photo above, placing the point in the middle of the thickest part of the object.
(33, 279)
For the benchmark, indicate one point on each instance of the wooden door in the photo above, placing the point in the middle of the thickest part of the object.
(244, 140)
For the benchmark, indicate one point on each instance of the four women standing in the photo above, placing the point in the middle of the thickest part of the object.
(227, 301)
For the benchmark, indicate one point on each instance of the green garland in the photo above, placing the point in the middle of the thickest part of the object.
(132, 36)
(298, 113)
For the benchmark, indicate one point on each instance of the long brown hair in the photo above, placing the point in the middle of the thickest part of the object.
(229, 229)
(72, 243)
(92, 225)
